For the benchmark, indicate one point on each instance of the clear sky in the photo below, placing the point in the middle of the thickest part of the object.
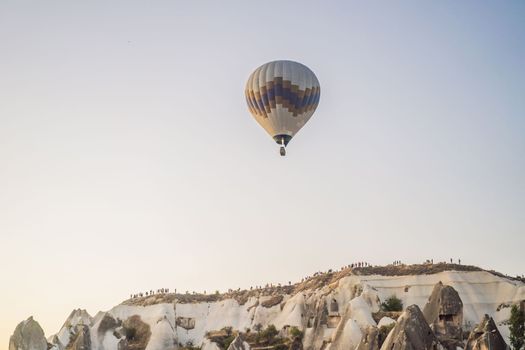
(129, 161)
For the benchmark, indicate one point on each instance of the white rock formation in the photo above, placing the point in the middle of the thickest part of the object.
(209, 345)
(239, 344)
(163, 336)
(337, 315)
(64, 335)
(385, 321)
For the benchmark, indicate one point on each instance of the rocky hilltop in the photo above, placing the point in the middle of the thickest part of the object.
(430, 306)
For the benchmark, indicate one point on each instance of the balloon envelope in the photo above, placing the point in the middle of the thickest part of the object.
(282, 96)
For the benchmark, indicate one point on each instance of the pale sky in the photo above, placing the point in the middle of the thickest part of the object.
(129, 161)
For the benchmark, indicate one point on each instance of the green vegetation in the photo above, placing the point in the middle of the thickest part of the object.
(267, 337)
(189, 346)
(296, 333)
(393, 303)
(228, 341)
(224, 338)
(269, 333)
(258, 337)
(517, 328)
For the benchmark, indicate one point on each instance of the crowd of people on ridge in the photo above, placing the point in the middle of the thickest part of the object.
(150, 292)
(431, 261)
(359, 264)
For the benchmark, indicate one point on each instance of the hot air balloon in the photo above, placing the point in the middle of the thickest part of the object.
(282, 96)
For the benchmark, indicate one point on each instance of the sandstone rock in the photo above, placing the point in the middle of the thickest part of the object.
(137, 332)
(350, 336)
(163, 336)
(68, 332)
(296, 344)
(107, 323)
(411, 332)
(333, 313)
(485, 336)
(28, 335)
(272, 301)
(78, 316)
(385, 321)
(444, 313)
(369, 341)
(239, 344)
(371, 296)
(383, 332)
(209, 345)
(81, 339)
(360, 311)
(316, 314)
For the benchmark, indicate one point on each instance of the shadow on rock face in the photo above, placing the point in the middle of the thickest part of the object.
(107, 323)
(444, 314)
(411, 332)
(370, 339)
(81, 339)
(137, 334)
(486, 336)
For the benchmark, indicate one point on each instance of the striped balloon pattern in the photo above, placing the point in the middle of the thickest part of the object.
(282, 96)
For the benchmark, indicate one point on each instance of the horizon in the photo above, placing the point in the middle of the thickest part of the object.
(129, 158)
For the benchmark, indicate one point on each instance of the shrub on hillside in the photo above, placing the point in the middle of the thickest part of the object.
(267, 336)
(296, 333)
(228, 341)
(189, 346)
(270, 332)
(392, 303)
(517, 327)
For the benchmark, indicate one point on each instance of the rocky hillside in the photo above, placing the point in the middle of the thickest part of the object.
(435, 306)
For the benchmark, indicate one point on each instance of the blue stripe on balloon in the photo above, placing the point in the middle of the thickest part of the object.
(286, 94)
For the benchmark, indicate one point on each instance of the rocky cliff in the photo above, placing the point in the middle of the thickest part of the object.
(329, 311)
(28, 335)
(486, 336)
(444, 313)
(411, 332)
